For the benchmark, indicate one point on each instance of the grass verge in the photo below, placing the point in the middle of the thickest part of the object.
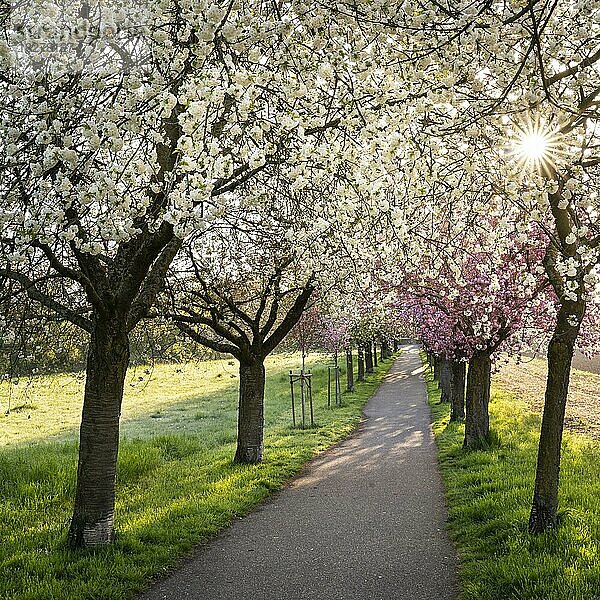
(489, 496)
(176, 484)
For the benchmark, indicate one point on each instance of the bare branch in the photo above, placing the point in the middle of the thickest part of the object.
(29, 287)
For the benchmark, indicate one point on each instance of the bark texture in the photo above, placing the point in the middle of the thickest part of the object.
(570, 289)
(349, 370)
(477, 420)
(368, 357)
(385, 349)
(361, 363)
(107, 360)
(436, 368)
(458, 372)
(560, 355)
(251, 412)
(445, 380)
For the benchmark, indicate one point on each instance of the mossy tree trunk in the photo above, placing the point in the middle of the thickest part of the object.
(570, 288)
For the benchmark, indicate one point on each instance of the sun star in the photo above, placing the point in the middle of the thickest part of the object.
(534, 146)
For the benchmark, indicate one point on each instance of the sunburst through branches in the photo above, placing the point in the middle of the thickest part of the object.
(537, 146)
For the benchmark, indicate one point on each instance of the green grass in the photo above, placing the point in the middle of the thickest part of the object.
(176, 484)
(489, 496)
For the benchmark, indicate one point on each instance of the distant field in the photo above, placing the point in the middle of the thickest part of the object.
(586, 364)
(528, 380)
(158, 400)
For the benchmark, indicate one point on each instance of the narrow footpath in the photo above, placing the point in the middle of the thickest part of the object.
(365, 521)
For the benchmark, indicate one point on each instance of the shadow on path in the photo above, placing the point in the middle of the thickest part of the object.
(365, 521)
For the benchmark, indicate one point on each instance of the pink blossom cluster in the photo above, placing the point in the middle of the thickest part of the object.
(488, 301)
(335, 333)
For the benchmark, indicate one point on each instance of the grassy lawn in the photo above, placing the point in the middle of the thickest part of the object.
(489, 495)
(527, 381)
(176, 485)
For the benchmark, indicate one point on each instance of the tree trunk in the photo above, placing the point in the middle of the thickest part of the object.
(361, 363)
(445, 380)
(92, 523)
(436, 368)
(560, 354)
(375, 363)
(251, 411)
(458, 372)
(368, 357)
(477, 422)
(349, 370)
(385, 349)
(396, 346)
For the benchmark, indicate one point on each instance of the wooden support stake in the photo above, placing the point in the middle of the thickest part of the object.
(310, 400)
(303, 395)
(293, 405)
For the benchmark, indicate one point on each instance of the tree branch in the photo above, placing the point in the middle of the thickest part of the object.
(67, 272)
(291, 318)
(29, 287)
(205, 341)
(153, 283)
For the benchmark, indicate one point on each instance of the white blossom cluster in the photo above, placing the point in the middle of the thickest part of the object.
(388, 119)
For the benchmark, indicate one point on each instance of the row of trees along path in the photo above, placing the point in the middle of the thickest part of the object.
(134, 157)
(365, 520)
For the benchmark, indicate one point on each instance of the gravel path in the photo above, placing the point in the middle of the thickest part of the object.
(365, 521)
